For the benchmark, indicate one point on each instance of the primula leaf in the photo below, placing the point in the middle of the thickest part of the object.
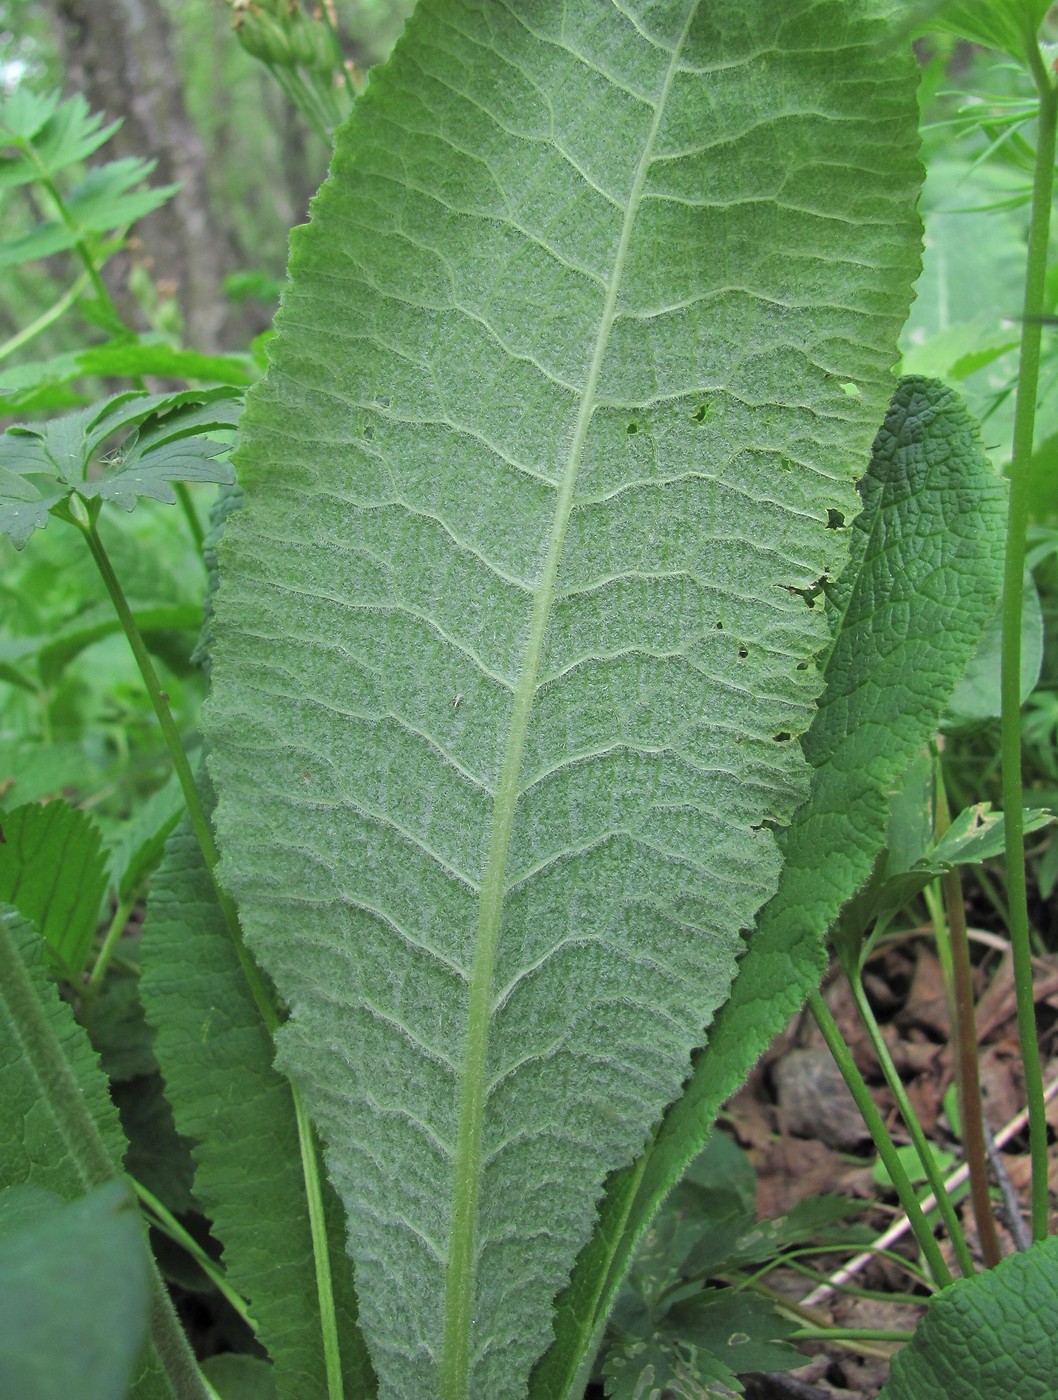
(925, 572)
(53, 870)
(216, 1058)
(987, 1336)
(61, 1333)
(512, 641)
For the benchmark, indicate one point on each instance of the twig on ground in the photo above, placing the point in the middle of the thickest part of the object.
(1011, 1210)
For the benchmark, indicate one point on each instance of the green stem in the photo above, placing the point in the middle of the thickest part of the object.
(187, 505)
(259, 990)
(882, 1141)
(1010, 684)
(925, 1154)
(967, 1078)
(164, 1220)
(110, 941)
(170, 1344)
(848, 1334)
(80, 246)
(45, 319)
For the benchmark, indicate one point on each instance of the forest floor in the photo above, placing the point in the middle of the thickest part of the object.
(805, 1137)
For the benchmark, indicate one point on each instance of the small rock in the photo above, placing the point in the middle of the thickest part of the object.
(814, 1100)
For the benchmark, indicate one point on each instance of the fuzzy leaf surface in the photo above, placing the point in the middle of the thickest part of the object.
(511, 648)
(925, 572)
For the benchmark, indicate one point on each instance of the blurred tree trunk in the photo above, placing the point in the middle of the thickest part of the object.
(121, 55)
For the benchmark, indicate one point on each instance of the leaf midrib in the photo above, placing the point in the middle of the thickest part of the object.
(459, 1278)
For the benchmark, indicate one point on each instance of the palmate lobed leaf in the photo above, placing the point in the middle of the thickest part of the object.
(60, 133)
(512, 641)
(169, 438)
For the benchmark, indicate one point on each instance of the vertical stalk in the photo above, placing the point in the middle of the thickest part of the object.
(964, 1027)
(914, 1127)
(882, 1141)
(85, 520)
(1010, 685)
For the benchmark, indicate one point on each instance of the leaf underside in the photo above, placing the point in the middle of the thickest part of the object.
(926, 568)
(511, 641)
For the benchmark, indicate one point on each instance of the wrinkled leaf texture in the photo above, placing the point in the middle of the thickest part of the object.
(988, 1336)
(926, 568)
(511, 642)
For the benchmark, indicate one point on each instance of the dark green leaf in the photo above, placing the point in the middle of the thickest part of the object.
(73, 1300)
(976, 697)
(238, 1377)
(705, 1343)
(216, 1058)
(987, 1338)
(53, 870)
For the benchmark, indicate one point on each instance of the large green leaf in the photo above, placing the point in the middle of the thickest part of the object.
(216, 1058)
(988, 1337)
(584, 346)
(925, 572)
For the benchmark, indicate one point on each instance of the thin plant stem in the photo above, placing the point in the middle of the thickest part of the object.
(163, 1219)
(187, 505)
(80, 246)
(1010, 682)
(849, 1334)
(45, 319)
(899, 1228)
(925, 1154)
(882, 1141)
(110, 941)
(800, 1314)
(1011, 1207)
(964, 1027)
(170, 1345)
(200, 826)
